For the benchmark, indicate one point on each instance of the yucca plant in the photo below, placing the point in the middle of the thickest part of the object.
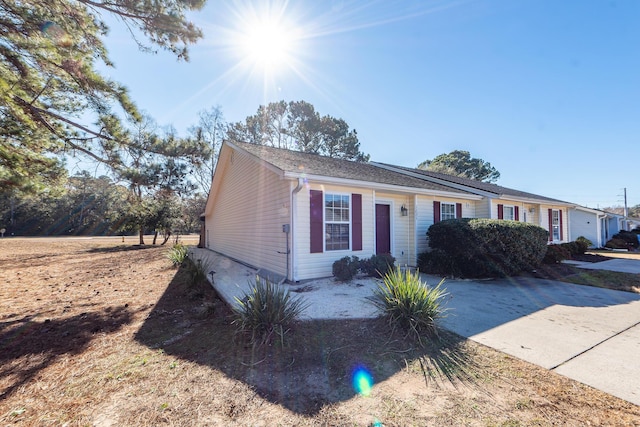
(409, 304)
(267, 310)
(197, 271)
(177, 254)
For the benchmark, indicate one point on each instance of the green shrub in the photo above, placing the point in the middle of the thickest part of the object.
(583, 244)
(377, 265)
(556, 254)
(345, 268)
(472, 247)
(177, 254)
(437, 261)
(616, 243)
(265, 311)
(197, 271)
(409, 304)
(630, 238)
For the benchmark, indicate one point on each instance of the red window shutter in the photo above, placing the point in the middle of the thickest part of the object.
(560, 222)
(516, 213)
(356, 221)
(316, 207)
(436, 212)
(458, 210)
(551, 225)
(500, 211)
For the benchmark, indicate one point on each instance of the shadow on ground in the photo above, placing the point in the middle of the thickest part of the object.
(315, 365)
(120, 248)
(28, 346)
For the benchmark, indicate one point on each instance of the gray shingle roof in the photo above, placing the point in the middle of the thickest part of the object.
(314, 164)
(483, 186)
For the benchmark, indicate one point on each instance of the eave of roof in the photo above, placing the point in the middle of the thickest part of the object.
(483, 188)
(295, 164)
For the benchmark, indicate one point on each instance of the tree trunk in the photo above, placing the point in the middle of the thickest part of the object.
(167, 235)
(155, 236)
(141, 235)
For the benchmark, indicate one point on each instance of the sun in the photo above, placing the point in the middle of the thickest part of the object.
(266, 38)
(268, 44)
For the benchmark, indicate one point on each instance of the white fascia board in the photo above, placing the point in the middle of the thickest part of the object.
(536, 201)
(590, 210)
(377, 186)
(437, 180)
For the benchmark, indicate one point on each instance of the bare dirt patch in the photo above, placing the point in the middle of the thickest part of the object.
(94, 332)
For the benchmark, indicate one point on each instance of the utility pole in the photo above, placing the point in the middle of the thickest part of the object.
(626, 211)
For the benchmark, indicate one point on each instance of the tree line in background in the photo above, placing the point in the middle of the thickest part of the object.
(88, 205)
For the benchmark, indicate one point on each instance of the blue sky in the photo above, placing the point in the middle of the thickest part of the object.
(547, 91)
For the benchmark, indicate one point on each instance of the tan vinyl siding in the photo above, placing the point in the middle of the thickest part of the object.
(424, 220)
(483, 209)
(308, 265)
(251, 205)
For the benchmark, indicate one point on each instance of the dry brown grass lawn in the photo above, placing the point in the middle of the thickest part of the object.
(94, 332)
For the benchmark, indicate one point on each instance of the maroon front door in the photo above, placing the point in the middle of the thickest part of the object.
(383, 229)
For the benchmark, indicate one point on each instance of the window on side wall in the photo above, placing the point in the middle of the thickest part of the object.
(447, 211)
(337, 221)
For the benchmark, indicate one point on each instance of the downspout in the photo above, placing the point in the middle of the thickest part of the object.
(294, 212)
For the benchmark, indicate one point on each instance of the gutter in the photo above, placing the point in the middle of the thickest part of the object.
(294, 212)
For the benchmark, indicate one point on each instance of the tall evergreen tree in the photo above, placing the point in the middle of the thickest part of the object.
(49, 55)
(460, 163)
(297, 126)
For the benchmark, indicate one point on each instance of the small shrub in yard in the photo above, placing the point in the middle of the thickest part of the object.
(630, 238)
(556, 254)
(177, 254)
(409, 304)
(197, 271)
(583, 244)
(345, 268)
(616, 244)
(267, 310)
(377, 265)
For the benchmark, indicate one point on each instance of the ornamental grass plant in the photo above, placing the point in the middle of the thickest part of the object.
(267, 310)
(177, 254)
(410, 304)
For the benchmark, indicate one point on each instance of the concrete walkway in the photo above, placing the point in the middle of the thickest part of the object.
(589, 334)
(620, 264)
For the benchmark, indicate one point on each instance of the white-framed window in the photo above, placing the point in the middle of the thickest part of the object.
(337, 221)
(555, 224)
(508, 212)
(447, 211)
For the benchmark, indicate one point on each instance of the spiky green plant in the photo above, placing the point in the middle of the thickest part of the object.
(409, 304)
(266, 310)
(177, 254)
(197, 271)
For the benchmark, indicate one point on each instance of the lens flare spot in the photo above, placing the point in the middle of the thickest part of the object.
(362, 381)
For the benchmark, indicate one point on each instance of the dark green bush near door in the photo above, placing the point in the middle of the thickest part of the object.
(483, 247)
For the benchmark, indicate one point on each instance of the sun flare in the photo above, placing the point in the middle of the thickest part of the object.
(268, 44)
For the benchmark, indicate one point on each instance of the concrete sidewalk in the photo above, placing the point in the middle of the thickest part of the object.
(589, 334)
(619, 264)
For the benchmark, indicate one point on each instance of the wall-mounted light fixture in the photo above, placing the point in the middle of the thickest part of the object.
(532, 210)
(404, 211)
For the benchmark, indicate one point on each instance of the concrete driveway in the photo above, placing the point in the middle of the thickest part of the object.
(589, 334)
